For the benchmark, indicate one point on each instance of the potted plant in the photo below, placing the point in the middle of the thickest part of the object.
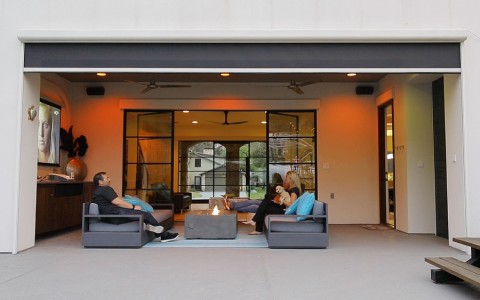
(76, 149)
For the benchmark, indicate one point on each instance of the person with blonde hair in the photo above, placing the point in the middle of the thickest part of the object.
(293, 186)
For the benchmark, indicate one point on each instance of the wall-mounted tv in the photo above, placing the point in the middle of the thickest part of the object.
(49, 133)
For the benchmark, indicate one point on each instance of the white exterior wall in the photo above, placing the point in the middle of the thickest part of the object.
(420, 159)
(222, 20)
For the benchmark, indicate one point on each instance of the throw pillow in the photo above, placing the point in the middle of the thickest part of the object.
(137, 201)
(305, 206)
(292, 209)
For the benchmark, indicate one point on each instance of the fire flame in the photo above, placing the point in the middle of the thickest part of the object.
(215, 210)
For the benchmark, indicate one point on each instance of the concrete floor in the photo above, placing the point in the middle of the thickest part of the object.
(359, 264)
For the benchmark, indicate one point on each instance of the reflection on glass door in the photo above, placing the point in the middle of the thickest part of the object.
(292, 146)
(387, 165)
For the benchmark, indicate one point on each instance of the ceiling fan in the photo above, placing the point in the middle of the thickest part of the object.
(153, 85)
(226, 123)
(296, 87)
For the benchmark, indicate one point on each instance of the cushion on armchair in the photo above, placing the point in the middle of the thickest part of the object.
(96, 224)
(305, 206)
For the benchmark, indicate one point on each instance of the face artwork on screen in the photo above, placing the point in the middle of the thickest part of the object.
(48, 133)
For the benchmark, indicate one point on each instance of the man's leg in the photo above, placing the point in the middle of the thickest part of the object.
(152, 224)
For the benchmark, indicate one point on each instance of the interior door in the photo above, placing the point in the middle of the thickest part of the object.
(387, 164)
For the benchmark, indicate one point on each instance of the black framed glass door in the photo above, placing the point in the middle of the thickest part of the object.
(292, 146)
(148, 149)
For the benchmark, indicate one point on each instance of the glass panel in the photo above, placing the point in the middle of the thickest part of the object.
(205, 194)
(148, 124)
(131, 123)
(155, 150)
(286, 124)
(219, 150)
(195, 149)
(244, 151)
(155, 124)
(277, 172)
(292, 150)
(159, 192)
(141, 176)
(131, 176)
(307, 174)
(257, 184)
(284, 150)
(131, 150)
(193, 181)
(159, 174)
(306, 150)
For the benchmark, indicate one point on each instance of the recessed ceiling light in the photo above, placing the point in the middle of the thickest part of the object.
(186, 111)
(264, 122)
(351, 74)
(224, 74)
(194, 122)
(101, 74)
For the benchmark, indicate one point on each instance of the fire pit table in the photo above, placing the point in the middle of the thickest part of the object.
(203, 224)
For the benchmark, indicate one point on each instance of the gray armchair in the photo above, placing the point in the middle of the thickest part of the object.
(97, 232)
(284, 231)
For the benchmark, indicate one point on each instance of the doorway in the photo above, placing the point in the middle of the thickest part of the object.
(387, 164)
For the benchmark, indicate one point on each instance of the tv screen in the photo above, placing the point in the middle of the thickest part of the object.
(48, 133)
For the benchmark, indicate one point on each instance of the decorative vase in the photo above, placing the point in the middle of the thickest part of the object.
(77, 167)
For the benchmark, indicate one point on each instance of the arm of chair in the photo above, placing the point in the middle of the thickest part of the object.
(323, 219)
(287, 217)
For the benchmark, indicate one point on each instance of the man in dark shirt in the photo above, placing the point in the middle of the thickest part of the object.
(109, 203)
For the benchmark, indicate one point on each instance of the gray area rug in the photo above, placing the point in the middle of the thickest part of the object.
(243, 240)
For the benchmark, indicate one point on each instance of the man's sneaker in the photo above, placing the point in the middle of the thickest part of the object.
(168, 237)
(156, 229)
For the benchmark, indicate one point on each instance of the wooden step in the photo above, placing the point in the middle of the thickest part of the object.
(460, 269)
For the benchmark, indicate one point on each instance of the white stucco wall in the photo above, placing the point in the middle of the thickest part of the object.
(313, 20)
(420, 159)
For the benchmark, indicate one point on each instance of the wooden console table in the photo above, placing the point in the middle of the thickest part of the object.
(454, 270)
(59, 204)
